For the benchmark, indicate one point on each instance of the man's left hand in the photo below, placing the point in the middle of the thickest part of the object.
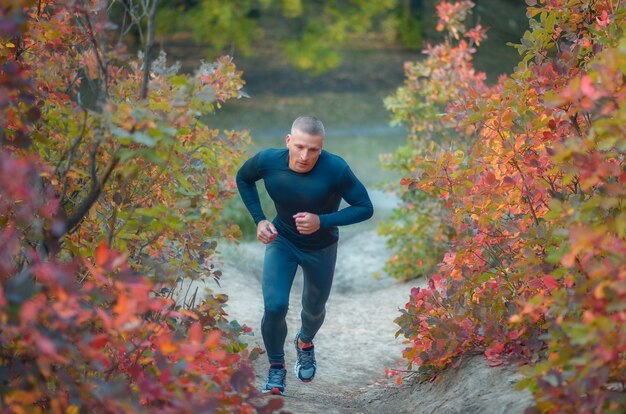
(307, 223)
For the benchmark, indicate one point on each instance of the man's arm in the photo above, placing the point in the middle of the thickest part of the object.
(355, 194)
(247, 176)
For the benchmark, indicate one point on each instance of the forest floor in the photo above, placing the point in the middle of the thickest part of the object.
(357, 342)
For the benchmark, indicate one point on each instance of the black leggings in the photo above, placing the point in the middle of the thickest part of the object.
(281, 262)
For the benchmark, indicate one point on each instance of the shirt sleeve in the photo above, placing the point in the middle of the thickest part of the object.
(355, 194)
(246, 179)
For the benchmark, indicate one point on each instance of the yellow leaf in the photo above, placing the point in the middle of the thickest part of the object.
(189, 314)
(599, 290)
(72, 409)
(620, 224)
(9, 44)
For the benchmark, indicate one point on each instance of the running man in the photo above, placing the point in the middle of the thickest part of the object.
(306, 185)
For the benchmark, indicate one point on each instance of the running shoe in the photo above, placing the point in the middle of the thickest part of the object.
(305, 362)
(276, 380)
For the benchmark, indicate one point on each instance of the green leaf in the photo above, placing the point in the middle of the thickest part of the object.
(143, 138)
(125, 154)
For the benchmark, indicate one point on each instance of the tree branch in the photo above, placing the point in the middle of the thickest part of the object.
(148, 49)
(101, 64)
(96, 188)
(70, 154)
(574, 121)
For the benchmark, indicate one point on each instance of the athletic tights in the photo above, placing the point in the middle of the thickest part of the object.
(281, 261)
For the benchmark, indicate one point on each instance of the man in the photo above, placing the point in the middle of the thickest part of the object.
(306, 184)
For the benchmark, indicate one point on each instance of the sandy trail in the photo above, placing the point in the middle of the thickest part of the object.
(357, 341)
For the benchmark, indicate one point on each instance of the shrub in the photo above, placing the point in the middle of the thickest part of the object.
(535, 270)
(110, 190)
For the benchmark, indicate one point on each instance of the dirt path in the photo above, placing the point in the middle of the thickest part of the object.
(356, 343)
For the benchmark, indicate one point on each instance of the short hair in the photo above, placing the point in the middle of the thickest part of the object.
(309, 125)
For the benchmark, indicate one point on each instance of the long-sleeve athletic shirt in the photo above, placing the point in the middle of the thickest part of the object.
(318, 191)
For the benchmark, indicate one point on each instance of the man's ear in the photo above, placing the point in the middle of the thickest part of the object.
(287, 139)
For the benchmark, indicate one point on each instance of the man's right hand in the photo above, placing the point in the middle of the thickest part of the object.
(265, 231)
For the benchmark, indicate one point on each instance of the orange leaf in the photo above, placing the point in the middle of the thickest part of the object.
(195, 332)
(213, 339)
(102, 254)
(121, 305)
(189, 314)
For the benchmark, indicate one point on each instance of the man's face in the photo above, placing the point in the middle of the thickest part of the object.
(304, 150)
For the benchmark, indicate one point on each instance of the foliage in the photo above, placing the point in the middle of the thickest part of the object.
(419, 229)
(237, 216)
(314, 30)
(221, 24)
(536, 269)
(110, 190)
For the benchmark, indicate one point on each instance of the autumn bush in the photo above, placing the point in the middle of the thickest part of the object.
(529, 176)
(419, 229)
(110, 193)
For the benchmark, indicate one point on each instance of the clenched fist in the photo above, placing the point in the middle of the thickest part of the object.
(307, 223)
(265, 231)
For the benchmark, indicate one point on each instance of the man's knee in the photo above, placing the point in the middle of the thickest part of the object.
(276, 311)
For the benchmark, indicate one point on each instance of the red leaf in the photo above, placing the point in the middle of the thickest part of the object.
(45, 345)
(586, 87)
(550, 282)
(99, 341)
(30, 311)
(490, 178)
(406, 181)
(273, 405)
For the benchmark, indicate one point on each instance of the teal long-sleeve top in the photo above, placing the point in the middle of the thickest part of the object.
(318, 191)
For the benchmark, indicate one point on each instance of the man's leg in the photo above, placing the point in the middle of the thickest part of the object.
(319, 268)
(279, 269)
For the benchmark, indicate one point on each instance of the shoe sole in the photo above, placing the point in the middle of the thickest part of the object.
(295, 371)
(274, 391)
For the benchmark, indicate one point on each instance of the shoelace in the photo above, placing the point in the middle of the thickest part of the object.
(276, 376)
(307, 357)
